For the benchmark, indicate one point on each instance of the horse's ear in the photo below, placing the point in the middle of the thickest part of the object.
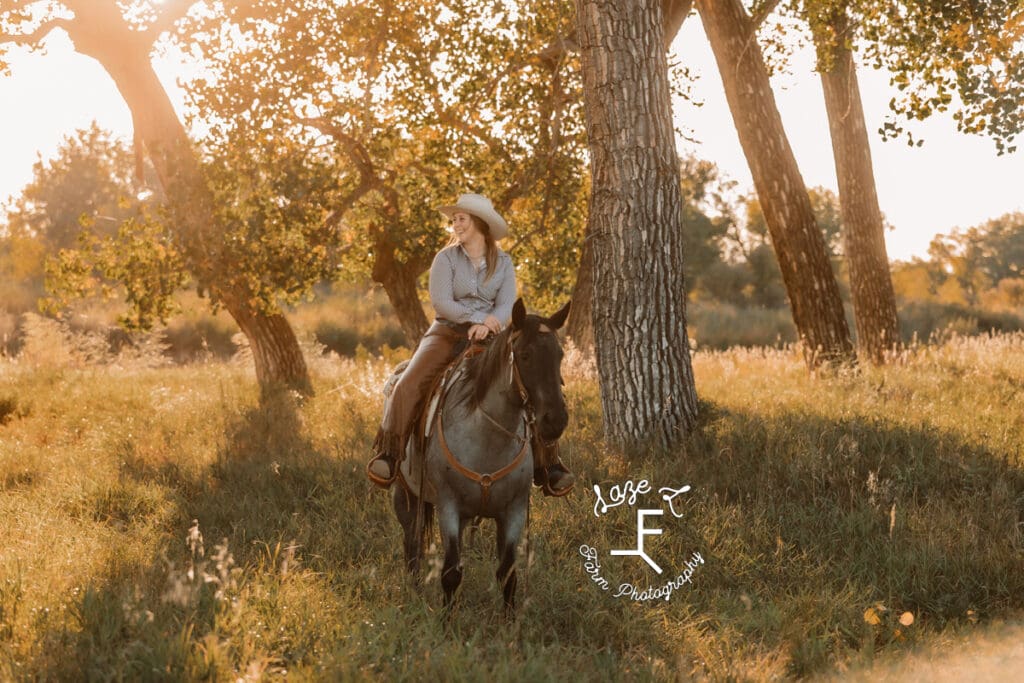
(518, 314)
(556, 321)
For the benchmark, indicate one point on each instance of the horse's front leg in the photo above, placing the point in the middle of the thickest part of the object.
(451, 538)
(510, 528)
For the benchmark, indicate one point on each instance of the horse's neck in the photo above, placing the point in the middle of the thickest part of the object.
(501, 401)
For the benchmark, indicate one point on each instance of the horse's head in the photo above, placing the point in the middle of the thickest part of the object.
(538, 356)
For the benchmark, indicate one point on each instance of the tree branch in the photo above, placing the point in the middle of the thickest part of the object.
(762, 13)
(18, 4)
(37, 36)
(557, 49)
(674, 13)
(369, 179)
(355, 151)
(168, 15)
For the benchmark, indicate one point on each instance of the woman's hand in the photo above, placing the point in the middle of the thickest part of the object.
(478, 332)
(493, 324)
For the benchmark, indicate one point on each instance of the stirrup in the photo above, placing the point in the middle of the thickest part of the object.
(377, 479)
(542, 479)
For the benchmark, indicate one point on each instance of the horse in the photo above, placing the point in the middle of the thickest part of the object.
(477, 460)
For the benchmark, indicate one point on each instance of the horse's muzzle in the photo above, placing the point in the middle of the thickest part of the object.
(552, 423)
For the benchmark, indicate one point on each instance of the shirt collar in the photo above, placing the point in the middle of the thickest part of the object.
(465, 253)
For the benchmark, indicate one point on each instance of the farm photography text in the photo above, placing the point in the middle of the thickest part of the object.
(629, 493)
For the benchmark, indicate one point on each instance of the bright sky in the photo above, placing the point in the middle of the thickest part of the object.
(953, 180)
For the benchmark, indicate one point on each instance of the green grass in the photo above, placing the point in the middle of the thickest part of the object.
(814, 499)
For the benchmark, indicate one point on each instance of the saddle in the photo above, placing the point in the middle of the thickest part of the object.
(412, 465)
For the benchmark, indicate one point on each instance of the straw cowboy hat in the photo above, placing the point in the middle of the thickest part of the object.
(481, 207)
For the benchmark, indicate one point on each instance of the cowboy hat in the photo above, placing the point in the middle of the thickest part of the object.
(481, 207)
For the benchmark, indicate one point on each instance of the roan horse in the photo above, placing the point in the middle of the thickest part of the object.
(478, 460)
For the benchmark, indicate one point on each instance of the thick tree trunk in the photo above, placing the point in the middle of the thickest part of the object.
(101, 33)
(579, 328)
(275, 350)
(399, 281)
(797, 239)
(643, 356)
(874, 301)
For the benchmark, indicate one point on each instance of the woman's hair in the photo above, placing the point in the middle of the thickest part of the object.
(490, 246)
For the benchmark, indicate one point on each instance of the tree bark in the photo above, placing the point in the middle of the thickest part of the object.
(797, 239)
(579, 327)
(874, 301)
(643, 357)
(674, 13)
(275, 350)
(99, 31)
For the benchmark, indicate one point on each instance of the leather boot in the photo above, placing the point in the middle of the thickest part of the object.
(551, 475)
(382, 469)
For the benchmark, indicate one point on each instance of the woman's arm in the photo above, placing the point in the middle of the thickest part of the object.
(506, 297)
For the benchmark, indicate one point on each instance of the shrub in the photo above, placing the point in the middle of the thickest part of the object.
(720, 326)
(929, 319)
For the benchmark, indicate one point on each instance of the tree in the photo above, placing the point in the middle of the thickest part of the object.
(92, 225)
(647, 389)
(407, 118)
(22, 256)
(874, 300)
(580, 325)
(935, 49)
(979, 258)
(91, 176)
(90, 179)
(802, 255)
(101, 30)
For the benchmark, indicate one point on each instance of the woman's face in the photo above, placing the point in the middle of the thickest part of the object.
(463, 227)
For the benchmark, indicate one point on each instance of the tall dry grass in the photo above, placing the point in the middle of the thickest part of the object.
(826, 508)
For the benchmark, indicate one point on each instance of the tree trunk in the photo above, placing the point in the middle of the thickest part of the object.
(579, 327)
(399, 281)
(275, 350)
(643, 356)
(797, 239)
(100, 32)
(874, 301)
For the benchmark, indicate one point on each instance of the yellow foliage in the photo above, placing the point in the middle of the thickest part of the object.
(950, 292)
(912, 282)
(23, 258)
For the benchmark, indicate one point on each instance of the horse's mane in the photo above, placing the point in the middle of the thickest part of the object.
(483, 368)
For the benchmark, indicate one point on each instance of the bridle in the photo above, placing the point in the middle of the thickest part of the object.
(486, 480)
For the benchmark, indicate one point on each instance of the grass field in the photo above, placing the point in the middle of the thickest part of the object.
(826, 510)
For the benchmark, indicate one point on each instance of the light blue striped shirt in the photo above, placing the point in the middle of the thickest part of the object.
(460, 291)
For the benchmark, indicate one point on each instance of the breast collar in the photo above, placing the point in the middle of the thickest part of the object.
(486, 480)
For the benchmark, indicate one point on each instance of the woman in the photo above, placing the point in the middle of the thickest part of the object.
(472, 289)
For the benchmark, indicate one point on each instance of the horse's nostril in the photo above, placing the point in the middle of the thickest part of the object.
(553, 424)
